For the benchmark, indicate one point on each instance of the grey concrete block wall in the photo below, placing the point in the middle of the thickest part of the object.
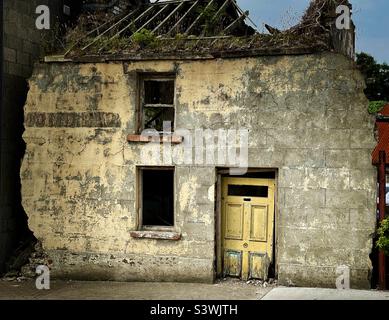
(327, 189)
(21, 38)
(309, 120)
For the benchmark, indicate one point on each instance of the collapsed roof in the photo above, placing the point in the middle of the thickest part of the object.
(193, 27)
(115, 6)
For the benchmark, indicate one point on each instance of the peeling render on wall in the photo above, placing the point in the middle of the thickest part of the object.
(306, 117)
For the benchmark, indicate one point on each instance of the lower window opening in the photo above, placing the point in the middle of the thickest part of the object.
(158, 198)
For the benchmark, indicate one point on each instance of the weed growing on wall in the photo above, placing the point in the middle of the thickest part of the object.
(383, 233)
(376, 106)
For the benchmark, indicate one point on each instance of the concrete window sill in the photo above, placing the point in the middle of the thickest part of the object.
(159, 235)
(174, 139)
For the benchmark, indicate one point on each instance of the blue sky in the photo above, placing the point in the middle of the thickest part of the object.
(370, 17)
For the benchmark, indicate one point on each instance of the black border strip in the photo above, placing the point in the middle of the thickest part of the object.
(138, 310)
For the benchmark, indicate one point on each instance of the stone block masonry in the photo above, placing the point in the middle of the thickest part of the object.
(306, 115)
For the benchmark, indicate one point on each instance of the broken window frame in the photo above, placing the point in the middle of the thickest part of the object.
(140, 226)
(144, 77)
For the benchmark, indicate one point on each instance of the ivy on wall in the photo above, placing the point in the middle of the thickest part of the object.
(383, 236)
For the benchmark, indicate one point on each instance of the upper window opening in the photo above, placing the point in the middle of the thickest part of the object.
(157, 103)
(159, 92)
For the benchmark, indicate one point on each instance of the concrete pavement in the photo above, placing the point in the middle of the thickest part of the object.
(74, 290)
(284, 293)
(222, 290)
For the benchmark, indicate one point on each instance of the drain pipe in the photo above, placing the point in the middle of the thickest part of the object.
(381, 210)
(382, 118)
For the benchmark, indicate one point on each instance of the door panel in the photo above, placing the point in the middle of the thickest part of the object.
(258, 229)
(247, 227)
(259, 264)
(234, 221)
(232, 263)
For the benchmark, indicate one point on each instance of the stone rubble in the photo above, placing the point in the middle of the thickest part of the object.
(27, 271)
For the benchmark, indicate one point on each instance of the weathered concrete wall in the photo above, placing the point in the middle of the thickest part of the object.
(306, 115)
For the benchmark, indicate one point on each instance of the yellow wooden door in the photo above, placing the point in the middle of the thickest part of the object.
(247, 227)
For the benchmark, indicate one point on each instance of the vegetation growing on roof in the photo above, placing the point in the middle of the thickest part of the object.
(144, 38)
(207, 12)
(193, 26)
(316, 21)
(114, 44)
(210, 26)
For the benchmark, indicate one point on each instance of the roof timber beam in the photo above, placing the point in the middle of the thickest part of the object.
(234, 24)
(133, 22)
(153, 17)
(125, 28)
(214, 17)
(168, 17)
(224, 5)
(198, 17)
(201, 38)
(183, 17)
(90, 33)
(110, 28)
(170, 2)
(242, 12)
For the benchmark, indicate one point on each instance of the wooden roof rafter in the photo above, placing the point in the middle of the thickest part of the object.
(242, 12)
(90, 33)
(171, 2)
(110, 28)
(144, 13)
(153, 18)
(203, 19)
(183, 17)
(223, 6)
(198, 17)
(235, 23)
(168, 17)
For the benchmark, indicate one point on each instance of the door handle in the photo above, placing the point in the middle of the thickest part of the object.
(246, 199)
(245, 245)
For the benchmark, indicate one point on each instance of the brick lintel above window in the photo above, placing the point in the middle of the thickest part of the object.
(174, 139)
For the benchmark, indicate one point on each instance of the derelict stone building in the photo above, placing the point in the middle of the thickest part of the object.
(103, 209)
